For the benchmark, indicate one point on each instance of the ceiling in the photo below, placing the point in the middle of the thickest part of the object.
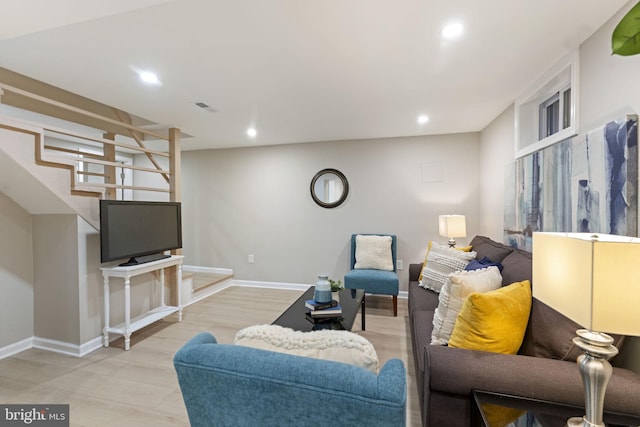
(297, 71)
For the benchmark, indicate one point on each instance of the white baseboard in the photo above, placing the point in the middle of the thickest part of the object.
(290, 286)
(51, 345)
(270, 285)
(16, 347)
(67, 348)
(196, 269)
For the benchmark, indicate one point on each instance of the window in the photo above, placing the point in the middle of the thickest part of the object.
(553, 111)
(547, 114)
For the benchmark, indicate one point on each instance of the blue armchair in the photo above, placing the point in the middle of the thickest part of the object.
(374, 281)
(233, 385)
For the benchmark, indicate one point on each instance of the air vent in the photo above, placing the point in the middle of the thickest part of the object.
(205, 107)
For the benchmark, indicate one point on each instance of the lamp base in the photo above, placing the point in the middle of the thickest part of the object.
(452, 243)
(581, 422)
(595, 371)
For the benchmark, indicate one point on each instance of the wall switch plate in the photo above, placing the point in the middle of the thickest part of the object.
(251, 259)
(399, 264)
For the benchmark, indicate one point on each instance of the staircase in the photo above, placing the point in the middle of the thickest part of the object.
(87, 159)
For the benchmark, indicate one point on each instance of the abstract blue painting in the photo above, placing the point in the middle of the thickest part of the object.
(585, 184)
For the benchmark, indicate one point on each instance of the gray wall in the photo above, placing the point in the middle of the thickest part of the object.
(56, 298)
(256, 201)
(16, 273)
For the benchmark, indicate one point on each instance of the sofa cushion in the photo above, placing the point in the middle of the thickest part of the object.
(453, 295)
(550, 334)
(423, 322)
(373, 252)
(339, 346)
(485, 247)
(494, 321)
(441, 261)
(517, 267)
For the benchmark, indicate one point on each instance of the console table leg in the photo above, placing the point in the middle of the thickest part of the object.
(179, 283)
(105, 331)
(127, 313)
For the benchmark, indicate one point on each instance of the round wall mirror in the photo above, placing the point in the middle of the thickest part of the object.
(329, 188)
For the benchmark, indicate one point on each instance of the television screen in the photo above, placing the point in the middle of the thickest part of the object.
(141, 231)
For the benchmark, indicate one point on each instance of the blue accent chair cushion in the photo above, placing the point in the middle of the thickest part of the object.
(230, 385)
(374, 281)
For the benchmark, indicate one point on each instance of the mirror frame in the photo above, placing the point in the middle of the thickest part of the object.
(345, 188)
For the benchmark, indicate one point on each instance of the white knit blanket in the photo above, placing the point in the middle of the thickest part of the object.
(339, 346)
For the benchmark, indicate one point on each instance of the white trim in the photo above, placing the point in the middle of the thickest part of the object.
(289, 286)
(207, 292)
(196, 269)
(272, 285)
(15, 348)
(93, 345)
(526, 106)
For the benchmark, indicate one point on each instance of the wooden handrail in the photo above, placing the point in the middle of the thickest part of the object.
(80, 111)
(104, 141)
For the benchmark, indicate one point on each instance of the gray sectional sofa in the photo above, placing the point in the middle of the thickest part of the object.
(544, 368)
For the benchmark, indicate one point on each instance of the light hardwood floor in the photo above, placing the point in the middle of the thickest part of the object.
(113, 387)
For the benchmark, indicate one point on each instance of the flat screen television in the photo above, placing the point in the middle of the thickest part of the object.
(140, 231)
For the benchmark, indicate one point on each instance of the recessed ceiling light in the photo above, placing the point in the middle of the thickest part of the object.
(423, 119)
(453, 30)
(149, 78)
(252, 132)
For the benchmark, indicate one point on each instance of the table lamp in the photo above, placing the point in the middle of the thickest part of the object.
(452, 226)
(594, 280)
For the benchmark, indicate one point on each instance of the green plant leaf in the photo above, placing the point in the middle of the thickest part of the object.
(625, 39)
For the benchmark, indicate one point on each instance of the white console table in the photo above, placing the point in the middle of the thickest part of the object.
(131, 325)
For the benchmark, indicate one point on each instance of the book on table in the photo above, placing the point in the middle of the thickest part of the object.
(313, 305)
(321, 320)
(335, 311)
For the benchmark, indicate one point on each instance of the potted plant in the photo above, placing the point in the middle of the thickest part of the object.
(625, 39)
(336, 285)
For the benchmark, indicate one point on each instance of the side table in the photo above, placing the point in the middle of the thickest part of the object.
(490, 409)
(127, 272)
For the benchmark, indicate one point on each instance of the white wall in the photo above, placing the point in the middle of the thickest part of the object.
(609, 84)
(496, 153)
(257, 201)
(16, 273)
(609, 87)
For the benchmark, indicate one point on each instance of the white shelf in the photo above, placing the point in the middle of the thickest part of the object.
(146, 319)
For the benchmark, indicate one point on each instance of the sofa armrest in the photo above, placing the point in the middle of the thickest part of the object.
(460, 371)
(414, 272)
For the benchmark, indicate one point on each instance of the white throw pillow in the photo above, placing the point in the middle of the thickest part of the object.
(339, 346)
(373, 252)
(453, 294)
(442, 260)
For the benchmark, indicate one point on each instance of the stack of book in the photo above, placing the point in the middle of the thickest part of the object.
(323, 310)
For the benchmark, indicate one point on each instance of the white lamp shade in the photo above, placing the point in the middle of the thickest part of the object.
(595, 283)
(452, 226)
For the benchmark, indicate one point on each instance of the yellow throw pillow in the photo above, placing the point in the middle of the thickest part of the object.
(500, 416)
(424, 263)
(426, 256)
(494, 321)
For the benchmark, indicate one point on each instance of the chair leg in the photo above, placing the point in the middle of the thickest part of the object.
(395, 305)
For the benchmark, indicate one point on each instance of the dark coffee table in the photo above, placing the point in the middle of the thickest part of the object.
(295, 316)
(534, 412)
